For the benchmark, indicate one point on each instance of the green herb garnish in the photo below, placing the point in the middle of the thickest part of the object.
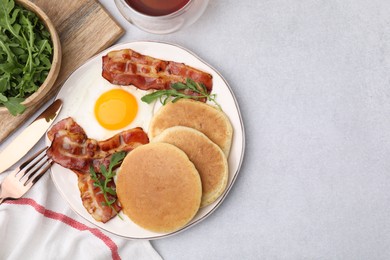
(108, 174)
(25, 55)
(178, 91)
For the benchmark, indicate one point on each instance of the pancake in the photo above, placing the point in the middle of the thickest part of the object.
(195, 114)
(207, 157)
(158, 187)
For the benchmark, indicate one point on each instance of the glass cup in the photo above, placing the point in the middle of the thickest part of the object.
(163, 24)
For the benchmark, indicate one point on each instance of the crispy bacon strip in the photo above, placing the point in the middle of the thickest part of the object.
(72, 149)
(127, 67)
(93, 199)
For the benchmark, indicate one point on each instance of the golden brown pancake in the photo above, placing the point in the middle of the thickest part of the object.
(198, 115)
(158, 187)
(207, 157)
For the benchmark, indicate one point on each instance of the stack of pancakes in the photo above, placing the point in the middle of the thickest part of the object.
(161, 185)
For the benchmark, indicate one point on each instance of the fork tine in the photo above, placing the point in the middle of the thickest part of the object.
(19, 181)
(30, 163)
(36, 168)
(40, 173)
(24, 164)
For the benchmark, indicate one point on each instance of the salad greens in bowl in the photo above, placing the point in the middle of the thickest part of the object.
(30, 55)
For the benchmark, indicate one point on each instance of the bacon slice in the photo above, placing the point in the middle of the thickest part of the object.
(127, 67)
(72, 149)
(93, 199)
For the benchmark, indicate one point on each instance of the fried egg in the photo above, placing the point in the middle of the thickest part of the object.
(103, 109)
(115, 109)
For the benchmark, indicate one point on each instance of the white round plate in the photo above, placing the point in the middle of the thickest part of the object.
(88, 76)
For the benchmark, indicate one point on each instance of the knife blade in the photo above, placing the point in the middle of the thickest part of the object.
(29, 136)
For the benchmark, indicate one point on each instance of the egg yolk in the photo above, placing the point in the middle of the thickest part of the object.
(115, 109)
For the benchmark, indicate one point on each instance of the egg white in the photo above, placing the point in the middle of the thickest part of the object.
(81, 107)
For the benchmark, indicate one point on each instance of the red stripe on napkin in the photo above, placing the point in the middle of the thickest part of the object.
(69, 221)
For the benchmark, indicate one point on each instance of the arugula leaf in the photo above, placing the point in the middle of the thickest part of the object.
(14, 105)
(108, 176)
(25, 55)
(116, 159)
(178, 91)
(3, 98)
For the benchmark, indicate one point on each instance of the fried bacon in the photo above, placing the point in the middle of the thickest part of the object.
(72, 149)
(93, 199)
(127, 67)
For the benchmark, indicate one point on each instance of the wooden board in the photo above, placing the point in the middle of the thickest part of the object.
(85, 28)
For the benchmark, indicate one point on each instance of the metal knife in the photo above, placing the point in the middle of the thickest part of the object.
(29, 136)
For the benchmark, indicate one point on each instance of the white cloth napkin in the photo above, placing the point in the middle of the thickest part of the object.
(42, 226)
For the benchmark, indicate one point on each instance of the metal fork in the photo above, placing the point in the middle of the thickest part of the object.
(20, 180)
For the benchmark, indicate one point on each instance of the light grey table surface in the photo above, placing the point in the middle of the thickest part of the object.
(312, 79)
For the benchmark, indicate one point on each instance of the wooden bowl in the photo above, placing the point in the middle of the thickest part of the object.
(56, 61)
